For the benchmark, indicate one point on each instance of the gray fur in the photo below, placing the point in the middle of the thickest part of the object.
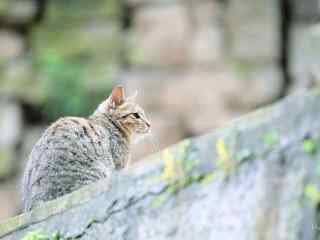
(71, 153)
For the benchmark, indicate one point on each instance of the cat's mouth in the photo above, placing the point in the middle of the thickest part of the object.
(144, 130)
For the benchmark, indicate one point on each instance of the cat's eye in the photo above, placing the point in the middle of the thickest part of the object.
(136, 115)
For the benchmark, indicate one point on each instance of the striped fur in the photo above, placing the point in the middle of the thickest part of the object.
(75, 151)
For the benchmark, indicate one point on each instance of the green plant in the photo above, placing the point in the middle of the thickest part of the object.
(271, 138)
(243, 155)
(225, 158)
(40, 235)
(178, 171)
(309, 146)
(65, 92)
(208, 178)
(312, 193)
(228, 160)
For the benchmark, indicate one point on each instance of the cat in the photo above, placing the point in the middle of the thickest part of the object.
(75, 151)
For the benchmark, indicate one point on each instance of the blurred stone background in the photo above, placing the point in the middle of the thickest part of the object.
(195, 63)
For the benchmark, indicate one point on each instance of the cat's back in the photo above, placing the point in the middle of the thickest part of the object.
(69, 135)
(73, 151)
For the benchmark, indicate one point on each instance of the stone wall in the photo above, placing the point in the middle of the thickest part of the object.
(56, 58)
(257, 178)
(304, 44)
(195, 63)
(198, 64)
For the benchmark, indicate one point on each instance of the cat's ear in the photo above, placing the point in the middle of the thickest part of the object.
(117, 96)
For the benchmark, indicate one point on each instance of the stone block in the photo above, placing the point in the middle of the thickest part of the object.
(305, 51)
(264, 81)
(205, 12)
(20, 80)
(10, 123)
(199, 99)
(21, 11)
(9, 200)
(305, 11)
(161, 35)
(253, 179)
(206, 46)
(11, 131)
(11, 45)
(7, 161)
(253, 32)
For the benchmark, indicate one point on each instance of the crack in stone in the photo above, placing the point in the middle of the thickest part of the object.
(109, 212)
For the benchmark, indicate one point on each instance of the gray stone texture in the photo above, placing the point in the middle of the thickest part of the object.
(305, 11)
(254, 31)
(264, 186)
(11, 125)
(11, 128)
(305, 49)
(14, 11)
(304, 46)
(195, 63)
(203, 57)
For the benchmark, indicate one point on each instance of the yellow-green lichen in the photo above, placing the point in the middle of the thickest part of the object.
(309, 146)
(243, 155)
(312, 193)
(271, 138)
(40, 235)
(178, 171)
(224, 160)
(208, 178)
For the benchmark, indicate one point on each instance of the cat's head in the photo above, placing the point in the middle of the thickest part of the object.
(125, 112)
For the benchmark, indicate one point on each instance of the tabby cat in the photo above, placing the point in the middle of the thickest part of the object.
(75, 151)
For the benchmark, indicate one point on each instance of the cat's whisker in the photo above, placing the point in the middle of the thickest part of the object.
(154, 141)
(77, 151)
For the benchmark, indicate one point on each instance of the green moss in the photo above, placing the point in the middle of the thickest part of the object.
(106, 43)
(65, 90)
(309, 146)
(4, 5)
(271, 138)
(318, 167)
(159, 200)
(40, 235)
(312, 193)
(179, 171)
(208, 178)
(92, 221)
(243, 155)
(229, 157)
(56, 236)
